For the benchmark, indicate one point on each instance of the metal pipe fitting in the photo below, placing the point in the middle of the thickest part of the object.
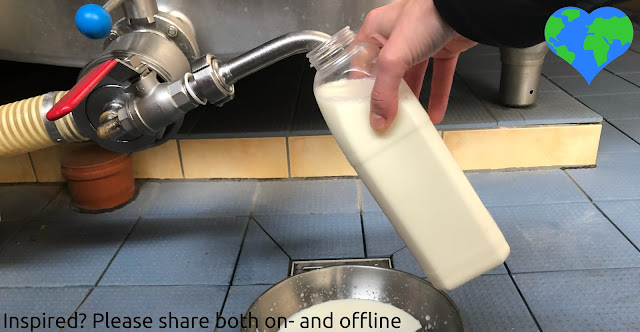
(140, 11)
(520, 77)
(270, 53)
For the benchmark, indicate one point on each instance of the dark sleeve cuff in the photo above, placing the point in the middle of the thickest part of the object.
(511, 23)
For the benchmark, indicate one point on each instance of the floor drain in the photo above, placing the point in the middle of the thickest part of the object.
(298, 267)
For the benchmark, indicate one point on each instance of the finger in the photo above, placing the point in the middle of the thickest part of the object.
(379, 23)
(392, 65)
(443, 70)
(415, 77)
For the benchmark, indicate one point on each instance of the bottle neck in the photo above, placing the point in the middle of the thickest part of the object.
(333, 51)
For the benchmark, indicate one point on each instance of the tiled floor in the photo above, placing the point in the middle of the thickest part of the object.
(198, 248)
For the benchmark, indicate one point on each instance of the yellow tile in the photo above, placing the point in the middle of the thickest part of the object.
(160, 162)
(567, 145)
(15, 169)
(47, 161)
(235, 158)
(313, 156)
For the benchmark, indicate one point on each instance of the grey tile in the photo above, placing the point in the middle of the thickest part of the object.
(238, 302)
(322, 236)
(307, 197)
(155, 302)
(547, 86)
(492, 303)
(471, 63)
(629, 62)
(61, 252)
(562, 237)
(381, 238)
(178, 252)
(604, 84)
(482, 49)
(62, 206)
(558, 108)
(622, 106)
(632, 77)
(626, 216)
(25, 201)
(617, 177)
(635, 44)
(466, 112)
(403, 260)
(630, 127)
(557, 67)
(523, 188)
(33, 302)
(8, 229)
(596, 300)
(369, 204)
(202, 199)
(261, 260)
(612, 140)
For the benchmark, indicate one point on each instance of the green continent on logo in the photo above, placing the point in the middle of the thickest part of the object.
(571, 14)
(552, 30)
(603, 32)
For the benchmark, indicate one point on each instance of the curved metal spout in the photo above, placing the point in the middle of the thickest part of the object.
(270, 53)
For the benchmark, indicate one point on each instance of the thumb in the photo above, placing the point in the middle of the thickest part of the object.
(384, 96)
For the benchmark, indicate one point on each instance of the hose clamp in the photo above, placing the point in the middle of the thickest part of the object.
(47, 103)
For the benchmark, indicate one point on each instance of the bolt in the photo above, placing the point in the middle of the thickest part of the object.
(113, 35)
(172, 31)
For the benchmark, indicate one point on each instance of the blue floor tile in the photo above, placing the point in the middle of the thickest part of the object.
(604, 84)
(617, 177)
(238, 302)
(558, 108)
(622, 106)
(612, 140)
(155, 302)
(307, 197)
(316, 236)
(492, 303)
(33, 302)
(631, 127)
(25, 201)
(202, 199)
(369, 204)
(403, 260)
(562, 237)
(61, 252)
(466, 112)
(381, 238)
(626, 216)
(596, 300)
(178, 252)
(61, 207)
(261, 261)
(523, 188)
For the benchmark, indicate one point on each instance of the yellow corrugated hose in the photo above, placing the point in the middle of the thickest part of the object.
(23, 126)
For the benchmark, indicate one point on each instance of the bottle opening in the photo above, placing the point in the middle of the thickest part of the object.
(329, 51)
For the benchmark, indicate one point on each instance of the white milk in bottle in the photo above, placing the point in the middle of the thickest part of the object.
(407, 168)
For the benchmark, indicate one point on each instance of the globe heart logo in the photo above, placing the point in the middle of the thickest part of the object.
(589, 42)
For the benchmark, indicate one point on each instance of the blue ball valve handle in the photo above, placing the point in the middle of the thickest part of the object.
(94, 21)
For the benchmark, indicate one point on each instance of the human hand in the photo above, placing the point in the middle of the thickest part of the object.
(410, 32)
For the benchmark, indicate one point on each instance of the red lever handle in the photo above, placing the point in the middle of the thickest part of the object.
(80, 91)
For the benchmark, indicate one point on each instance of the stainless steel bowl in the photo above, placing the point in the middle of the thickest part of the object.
(402, 290)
